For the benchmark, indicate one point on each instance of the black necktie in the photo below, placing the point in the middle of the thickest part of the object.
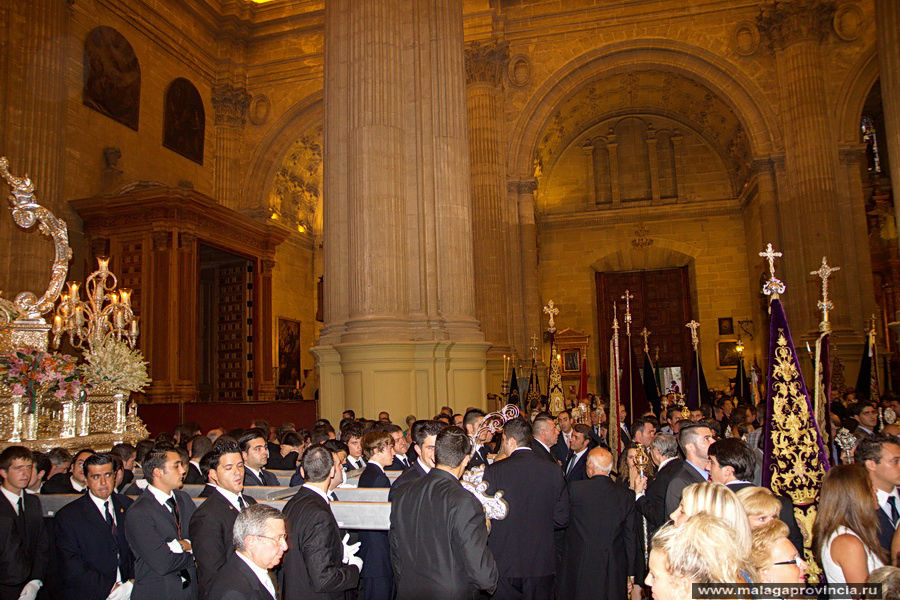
(109, 519)
(174, 507)
(895, 515)
(262, 476)
(332, 496)
(241, 502)
(22, 511)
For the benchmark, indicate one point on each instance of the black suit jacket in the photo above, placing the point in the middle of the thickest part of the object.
(541, 452)
(207, 491)
(479, 458)
(23, 553)
(438, 541)
(60, 483)
(398, 465)
(601, 541)
(786, 515)
(375, 550)
(652, 505)
(560, 451)
(278, 462)
(312, 568)
(538, 500)
(683, 477)
(578, 471)
(157, 570)
(266, 478)
(89, 555)
(414, 473)
(194, 476)
(211, 530)
(237, 582)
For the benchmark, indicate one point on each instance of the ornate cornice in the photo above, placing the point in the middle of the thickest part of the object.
(486, 62)
(230, 104)
(786, 22)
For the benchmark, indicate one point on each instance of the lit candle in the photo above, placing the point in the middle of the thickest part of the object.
(79, 316)
(134, 328)
(126, 296)
(57, 324)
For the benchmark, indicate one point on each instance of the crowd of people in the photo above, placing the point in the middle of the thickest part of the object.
(678, 504)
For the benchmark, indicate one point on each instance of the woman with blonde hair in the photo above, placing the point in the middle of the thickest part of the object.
(760, 504)
(845, 534)
(717, 500)
(774, 556)
(700, 550)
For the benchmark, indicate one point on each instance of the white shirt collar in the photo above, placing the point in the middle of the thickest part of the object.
(541, 443)
(261, 574)
(196, 463)
(99, 504)
(230, 496)
(318, 491)
(527, 448)
(78, 487)
(357, 461)
(13, 498)
(425, 467)
(160, 495)
(578, 455)
(666, 461)
(376, 463)
(882, 499)
(254, 471)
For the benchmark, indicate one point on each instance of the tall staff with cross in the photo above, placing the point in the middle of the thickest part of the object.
(628, 297)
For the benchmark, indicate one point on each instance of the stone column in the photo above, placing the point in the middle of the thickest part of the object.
(400, 328)
(230, 104)
(887, 19)
(528, 236)
(32, 133)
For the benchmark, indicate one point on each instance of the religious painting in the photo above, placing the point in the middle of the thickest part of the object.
(727, 354)
(111, 76)
(571, 360)
(184, 120)
(289, 354)
(726, 326)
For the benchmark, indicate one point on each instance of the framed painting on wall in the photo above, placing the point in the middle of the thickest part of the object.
(727, 355)
(289, 354)
(571, 360)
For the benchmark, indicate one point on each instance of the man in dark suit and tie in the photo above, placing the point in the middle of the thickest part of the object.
(198, 446)
(600, 542)
(438, 531)
(260, 541)
(211, 527)
(880, 454)
(156, 527)
(652, 504)
(94, 557)
(579, 442)
(522, 543)
(471, 422)
(317, 565)
(424, 434)
(544, 436)
(562, 449)
(375, 551)
(256, 454)
(71, 482)
(401, 461)
(695, 441)
(25, 543)
(352, 436)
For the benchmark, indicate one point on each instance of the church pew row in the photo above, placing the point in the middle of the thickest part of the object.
(349, 515)
(284, 477)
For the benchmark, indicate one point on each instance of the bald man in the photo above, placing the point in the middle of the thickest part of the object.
(601, 543)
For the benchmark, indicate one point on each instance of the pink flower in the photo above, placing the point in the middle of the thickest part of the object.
(18, 389)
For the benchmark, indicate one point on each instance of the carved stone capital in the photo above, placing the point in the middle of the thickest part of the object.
(788, 22)
(486, 62)
(525, 186)
(230, 105)
(266, 266)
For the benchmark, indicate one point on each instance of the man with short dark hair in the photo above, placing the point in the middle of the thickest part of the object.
(424, 434)
(25, 543)
(376, 575)
(127, 454)
(317, 565)
(95, 560)
(352, 436)
(348, 414)
(71, 482)
(197, 446)
(156, 527)
(255, 450)
(866, 414)
(579, 444)
(880, 455)
(384, 417)
(401, 462)
(694, 441)
(60, 460)
(212, 523)
(288, 452)
(523, 542)
(41, 467)
(438, 533)
(471, 422)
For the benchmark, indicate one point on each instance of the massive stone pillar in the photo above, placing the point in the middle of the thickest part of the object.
(400, 330)
(230, 104)
(32, 132)
(887, 19)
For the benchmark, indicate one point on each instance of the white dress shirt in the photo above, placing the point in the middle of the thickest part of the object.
(883, 501)
(230, 496)
(318, 491)
(101, 506)
(261, 574)
(78, 487)
(575, 458)
(356, 463)
(425, 467)
(13, 498)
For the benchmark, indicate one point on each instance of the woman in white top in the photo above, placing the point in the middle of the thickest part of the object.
(846, 529)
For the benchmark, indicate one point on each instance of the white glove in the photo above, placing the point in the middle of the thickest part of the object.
(356, 561)
(121, 592)
(175, 547)
(350, 550)
(31, 589)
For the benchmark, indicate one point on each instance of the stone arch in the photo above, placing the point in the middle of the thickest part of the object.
(853, 94)
(663, 254)
(720, 76)
(267, 157)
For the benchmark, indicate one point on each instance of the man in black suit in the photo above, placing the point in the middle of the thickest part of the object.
(287, 453)
(197, 447)
(695, 441)
(73, 481)
(256, 455)
(562, 449)
(652, 504)
(211, 527)
(880, 455)
(471, 422)
(25, 543)
(94, 557)
(401, 461)
(732, 462)
(522, 543)
(352, 436)
(260, 541)
(438, 530)
(317, 565)
(156, 527)
(424, 434)
(375, 550)
(544, 436)
(579, 442)
(601, 542)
